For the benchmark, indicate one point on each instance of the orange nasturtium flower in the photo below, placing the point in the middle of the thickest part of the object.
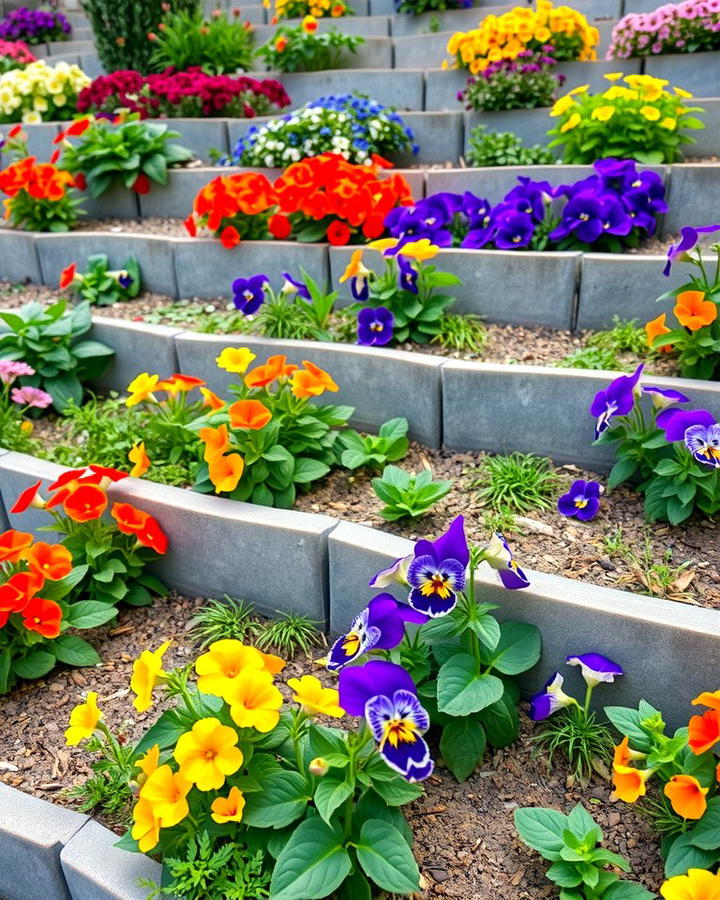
(207, 754)
(693, 311)
(655, 328)
(149, 763)
(129, 519)
(211, 399)
(43, 616)
(311, 381)
(140, 459)
(52, 561)
(13, 544)
(629, 782)
(275, 367)
(151, 535)
(180, 384)
(255, 701)
(225, 472)
(166, 792)
(697, 884)
(624, 754)
(712, 700)
(147, 670)
(85, 503)
(83, 720)
(216, 440)
(28, 584)
(12, 599)
(250, 414)
(687, 796)
(228, 809)
(704, 731)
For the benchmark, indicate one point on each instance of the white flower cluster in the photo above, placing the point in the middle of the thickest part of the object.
(40, 91)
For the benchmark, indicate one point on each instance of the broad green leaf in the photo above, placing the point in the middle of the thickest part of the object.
(518, 648)
(386, 858)
(331, 792)
(500, 721)
(462, 746)
(312, 865)
(284, 799)
(683, 855)
(74, 651)
(706, 834)
(164, 732)
(626, 890)
(542, 830)
(462, 689)
(34, 665)
(89, 614)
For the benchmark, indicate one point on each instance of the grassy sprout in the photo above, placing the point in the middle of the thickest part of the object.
(225, 619)
(602, 350)
(290, 634)
(585, 743)
(516, 483)
(461, 333)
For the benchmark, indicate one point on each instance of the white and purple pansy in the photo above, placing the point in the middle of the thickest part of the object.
(437, 571)
(596, 668)
(550, 699)
(699, 431)
(396, 573)
(664, 397)
(499, 556)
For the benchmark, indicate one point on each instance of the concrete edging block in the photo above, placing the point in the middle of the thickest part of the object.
(17, 472)
(19, 260)
(203, 529)
(707, 139)
(366, 26)
(139, 347)
(379, 383)
(530, 125)
(417, 50)
(698, 73)
(682, 639)
(439, 135)
(402, 89)
(693, 197)
(117, 203)
(95, 869)
(32, 835)
(199, 135)
(624, 285)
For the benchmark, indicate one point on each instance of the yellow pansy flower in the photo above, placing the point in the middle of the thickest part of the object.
(603, 113)
(314, 698)
(571, 123)
(83, 720)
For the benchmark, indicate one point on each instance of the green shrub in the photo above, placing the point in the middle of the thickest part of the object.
(503, 148)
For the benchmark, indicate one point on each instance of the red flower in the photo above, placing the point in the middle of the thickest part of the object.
(151, 535)
(190, 226)
(43, 616)
(338, 233)
(80, 181)
(54, 157)
(78, 127)
(141, 185)
(129, 519)
(107, 472)
(229, 237)
(85, 503)
(29, 584)
(14, 131)
(27, 497)
(12, 598)
(279, 226)
(67, 276)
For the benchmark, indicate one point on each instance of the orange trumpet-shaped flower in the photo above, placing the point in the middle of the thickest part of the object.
(708, 699)
(311, 381)
(12, 598)
(129, 519)
(13, 544)
(687, 796)
(693, 311)
(211, 399)
(629, 782)
(28, 583)
(655, 328)
(141, 460)
(250, 414)
(85, 503)
(275, 367)
(52, 561)
(704, 731)
(180, 384)
(151, 535)
(216, 440)
(228, 809)
(624, 754)
(43, 616)
(29, 497)
(225, 472)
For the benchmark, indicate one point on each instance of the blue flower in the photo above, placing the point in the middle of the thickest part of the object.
(550, 699)
(437, 571)
(664, 397)
(292, 286)
(249, 293)
(375, 326)
(617, 399)
(582, 501)
(596, 668)
(688, 238)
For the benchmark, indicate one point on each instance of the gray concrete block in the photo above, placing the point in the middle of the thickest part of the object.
(566, 612)
(619, 285)
(175, 199)
(375, 53)
(199, 135)
(639, 6)
(204, 268)
(494, 182)
(32, 834)
(530, 125)
(599, 9)
(401, 89)
(417, 51)
(91, 65)
(439, 135)
(707, 139)
(40, 139)
(442, 87)
(17, 472)
(366, 26)
(19, 260)
(254, 13)
(72, 46)
(593, 73)
(449, 20)
(117, 203)
(153, 253)
(693, 198)
(698, 73)
(499, 285)
(139, 347)
(219, 546)
(378, 382)
(95, 869)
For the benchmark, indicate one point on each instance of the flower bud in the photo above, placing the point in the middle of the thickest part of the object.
(318, 766)
(217, 13)
(152, 36)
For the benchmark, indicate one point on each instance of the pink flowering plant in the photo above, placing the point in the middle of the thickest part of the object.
(15, 403)
(14, 55)
(687, 27)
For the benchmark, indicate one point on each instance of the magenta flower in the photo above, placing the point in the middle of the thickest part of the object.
(31, 397)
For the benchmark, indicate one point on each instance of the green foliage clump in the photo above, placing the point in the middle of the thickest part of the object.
(503, 148)
(602, 350)
(464, 334)
(519, 482)
(406, 494)
(108, 789)
(217, 44)
(224, 619)
(289, 634)
(389, 445)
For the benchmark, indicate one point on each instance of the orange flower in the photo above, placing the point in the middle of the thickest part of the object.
(655, 329)
(52, 561)
(29, 497)
(629, 782)
(225, 472)
(623, 754)
(228, 809)
(704, 731)
(129, 519)
(85, 503)
(309, 24)
(211, 399)
(151, 535)
(216, 441)
(13, 544)
(281, 43)
(275, 367)
(141, 460)
(12, 598)
(67, 276)
(312, 381)
(43, 616)
(708, 699)
(180, 384)
(250, 414)
(686, 796)
(693, 311)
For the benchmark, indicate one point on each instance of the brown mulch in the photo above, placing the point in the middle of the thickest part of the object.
(465, 841)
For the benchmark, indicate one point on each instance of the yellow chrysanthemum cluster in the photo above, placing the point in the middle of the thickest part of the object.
(505, 36)
(40, 91)
(298, 9)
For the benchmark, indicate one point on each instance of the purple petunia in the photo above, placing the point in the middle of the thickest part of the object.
(664, 397)
(688, 239)
(582, 501)
(596, 668)
(375, 326)
(249, 293)
(617, 399)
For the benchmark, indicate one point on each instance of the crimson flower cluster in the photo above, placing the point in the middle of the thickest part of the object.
(191, 93)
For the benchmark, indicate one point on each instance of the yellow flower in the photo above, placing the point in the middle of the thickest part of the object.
(668, 123)
(314, 698)
(255, 701)
(697, 884)
(141, 388)
(207, 754)
(571, 123)
(83, 720)
(682, 93)
(603, 113)
(562, 105)
(166, 791)
(613, 76)
(579, 90)
(146, 672)
(651, 113)
(220, 667)
(419, 250)
(383, 244)
(228, 809)
(355, 268)
(146, 827)
(149, 763)
(235, 360)
(139, 457)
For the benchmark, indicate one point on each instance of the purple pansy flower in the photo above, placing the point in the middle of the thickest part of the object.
(675, 422)
(249, 293)
(407, 275)
(437, 571)
(513, 229)
(499, 556)
(125, 280)
(617, 399)
(292, 286)
(596, 668)
(664, 397)
(703, 441)
(380, 626)
(385, 695)
(550, 699)
(582, 501)
(688, 238)
(375, 326)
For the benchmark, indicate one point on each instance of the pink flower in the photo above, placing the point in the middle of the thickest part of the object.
(10, 370)
(30, 396)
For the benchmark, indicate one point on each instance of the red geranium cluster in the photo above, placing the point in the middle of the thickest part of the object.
(188, 94)
(320, 198)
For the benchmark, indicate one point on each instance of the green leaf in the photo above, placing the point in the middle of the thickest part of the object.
(627, 721)
(34, 665)
(500, 721)
(386, 858)
(581, 823)
(462, 689)
(706, 834)
(283, 800)
(542, 830)
(64, 389)
(164, 732)
(626, 890)
(462, 746)
(331, 792)
(564, 874)
(309, 470)
(518, 648)
(395, 791)
(74, 651)
(683, 855)
(312, 865)
(89, 614)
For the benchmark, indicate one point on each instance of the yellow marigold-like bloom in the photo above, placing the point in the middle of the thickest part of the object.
(696, 884)
(141, 388)
(669, 123)
(225, 661)
(83, 720)
(603, 113)
(419, 250)
(651, 113)
(207, 754)
(255, 701)
(571, 123)
(562, 105)
(235, 360)
(314, 698)
(166, 792)
(141, 460)
(228, 809)
(146, 826)
(147, 670)
(579, 90)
